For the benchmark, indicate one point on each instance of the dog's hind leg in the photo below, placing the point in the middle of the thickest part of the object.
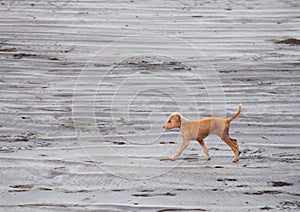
(236, 145)
(232, 143)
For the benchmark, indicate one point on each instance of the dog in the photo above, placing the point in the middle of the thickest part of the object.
(200, 129)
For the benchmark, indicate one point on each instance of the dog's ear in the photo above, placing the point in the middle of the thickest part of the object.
(178, 121)
(177, 118)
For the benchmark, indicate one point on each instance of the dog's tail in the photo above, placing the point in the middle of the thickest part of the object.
(236, 115)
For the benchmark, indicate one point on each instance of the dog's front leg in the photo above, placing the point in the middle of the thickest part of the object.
(184, 144)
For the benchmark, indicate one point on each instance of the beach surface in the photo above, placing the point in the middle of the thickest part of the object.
(86, 87)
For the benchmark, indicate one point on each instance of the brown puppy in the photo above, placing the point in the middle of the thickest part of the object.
(199, 129)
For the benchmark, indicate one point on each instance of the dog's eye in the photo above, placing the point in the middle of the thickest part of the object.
(169, 121)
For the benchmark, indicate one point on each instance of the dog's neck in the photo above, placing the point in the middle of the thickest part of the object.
(183, 121)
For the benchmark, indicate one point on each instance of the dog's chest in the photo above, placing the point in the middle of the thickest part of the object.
(191, 131)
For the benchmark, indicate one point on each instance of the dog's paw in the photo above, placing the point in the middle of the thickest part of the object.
(172, 158)
(235, 160)
(207, 158)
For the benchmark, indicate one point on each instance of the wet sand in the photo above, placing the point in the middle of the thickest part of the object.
(86, 86)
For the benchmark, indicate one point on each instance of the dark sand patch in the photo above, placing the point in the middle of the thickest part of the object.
(263, 192)
(266, 208)
(290, 41)
(119, 142)
(21, 55)
(22, 186)
(281, 183)
(44, 188)
(180, 209)
(226, 179)
(150, 194)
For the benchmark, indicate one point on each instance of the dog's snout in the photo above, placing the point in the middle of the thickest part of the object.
(164, 127)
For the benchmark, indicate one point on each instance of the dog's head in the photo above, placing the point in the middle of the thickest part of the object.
(174, 121)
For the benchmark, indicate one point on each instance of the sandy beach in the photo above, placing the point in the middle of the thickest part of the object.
(86, 87)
